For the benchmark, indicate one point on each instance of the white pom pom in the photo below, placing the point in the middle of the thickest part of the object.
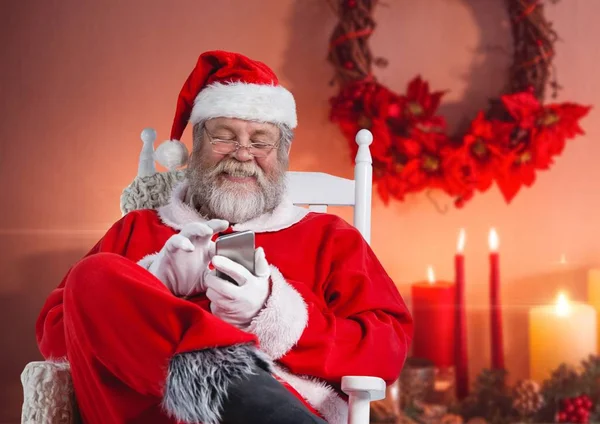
(171, 154)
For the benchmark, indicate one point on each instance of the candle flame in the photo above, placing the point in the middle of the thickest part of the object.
(493, 240)
(562, 306)
(430, 275)
(460, 246)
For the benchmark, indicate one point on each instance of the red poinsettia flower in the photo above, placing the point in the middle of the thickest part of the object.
(427, 162)
(540, 134)
(377, 101)
(420, 104)
(569, 114)
(527, 110)
(527, 157)
(485, 150)
(458, 171)
(423, 155)
(548, 126)
(459, 177)
(521, 173)
(558, 123)
(523, 106)
(364, 98)
(381, 148)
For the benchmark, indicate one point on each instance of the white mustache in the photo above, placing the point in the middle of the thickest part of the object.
(238, 169)
(241, 173)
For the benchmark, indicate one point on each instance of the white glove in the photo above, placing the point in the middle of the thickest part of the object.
(237, 305)
(183, 261)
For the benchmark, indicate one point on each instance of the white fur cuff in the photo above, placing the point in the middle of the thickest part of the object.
(283, 320)
(318, 394)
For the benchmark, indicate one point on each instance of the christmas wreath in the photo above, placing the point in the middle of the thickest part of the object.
(512, 140)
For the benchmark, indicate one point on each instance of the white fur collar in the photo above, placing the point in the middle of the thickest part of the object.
(177, 213)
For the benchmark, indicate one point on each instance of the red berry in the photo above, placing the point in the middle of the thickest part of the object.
(349, 65)
(562, 417)
(578, 401)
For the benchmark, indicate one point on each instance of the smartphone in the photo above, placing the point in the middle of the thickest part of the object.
(239, 247)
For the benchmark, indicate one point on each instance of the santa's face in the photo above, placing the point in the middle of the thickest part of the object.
(237, 169)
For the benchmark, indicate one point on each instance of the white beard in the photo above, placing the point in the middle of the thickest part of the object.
(217, 197)
(235, 204)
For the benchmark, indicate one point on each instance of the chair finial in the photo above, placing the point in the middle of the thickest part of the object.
(148, 135)
(146, 163)
(364, 137)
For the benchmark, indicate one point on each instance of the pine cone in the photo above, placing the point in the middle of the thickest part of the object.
(527, 398)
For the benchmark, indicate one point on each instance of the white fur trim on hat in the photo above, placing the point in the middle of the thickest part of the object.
(252, 102)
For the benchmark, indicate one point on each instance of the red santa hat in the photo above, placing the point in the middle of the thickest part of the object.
(230, 85)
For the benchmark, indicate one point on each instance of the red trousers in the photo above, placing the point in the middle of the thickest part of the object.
(122, 326)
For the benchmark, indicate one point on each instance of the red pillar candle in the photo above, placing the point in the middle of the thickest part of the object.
(461, 361)
(433, 315)
(495, 307)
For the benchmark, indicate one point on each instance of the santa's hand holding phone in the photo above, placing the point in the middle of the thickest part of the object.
(238, 304)
(183, 261)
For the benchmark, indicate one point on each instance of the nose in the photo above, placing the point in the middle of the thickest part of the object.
(243, 155)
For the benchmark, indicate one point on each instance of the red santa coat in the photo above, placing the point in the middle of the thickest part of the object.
(333, 310)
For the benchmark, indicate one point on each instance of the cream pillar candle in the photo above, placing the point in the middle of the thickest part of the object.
(560, 333)
(594, 296)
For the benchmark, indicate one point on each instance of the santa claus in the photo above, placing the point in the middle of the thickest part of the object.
(152, 331)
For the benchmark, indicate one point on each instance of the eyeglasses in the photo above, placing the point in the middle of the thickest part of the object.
(228, 147)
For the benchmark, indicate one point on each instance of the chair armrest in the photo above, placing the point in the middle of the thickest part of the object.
(361, 391)
(48, 393)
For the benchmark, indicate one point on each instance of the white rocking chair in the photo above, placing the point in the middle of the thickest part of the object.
(47, 387)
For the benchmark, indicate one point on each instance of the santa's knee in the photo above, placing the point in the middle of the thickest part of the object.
(95, 277)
